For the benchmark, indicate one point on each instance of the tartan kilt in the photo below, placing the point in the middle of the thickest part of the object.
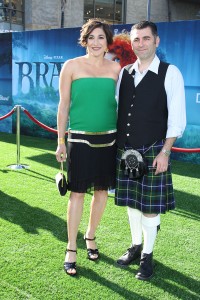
(149, 194)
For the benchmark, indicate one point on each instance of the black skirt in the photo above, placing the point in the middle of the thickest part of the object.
(91, 168)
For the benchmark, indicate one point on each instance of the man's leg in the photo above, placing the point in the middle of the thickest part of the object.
(135, 221)
(150, 225)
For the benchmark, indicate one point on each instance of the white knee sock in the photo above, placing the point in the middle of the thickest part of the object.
(135, 220)
(149, 228)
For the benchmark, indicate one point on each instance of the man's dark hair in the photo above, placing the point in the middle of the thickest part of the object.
(145, 24)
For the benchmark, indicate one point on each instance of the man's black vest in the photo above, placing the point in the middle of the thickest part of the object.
(142, 116)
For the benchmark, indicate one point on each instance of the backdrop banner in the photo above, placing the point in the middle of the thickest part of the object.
(5, 80)
(38, 56)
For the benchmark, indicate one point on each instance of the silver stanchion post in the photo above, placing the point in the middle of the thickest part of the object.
(148, 10)
(18, 166)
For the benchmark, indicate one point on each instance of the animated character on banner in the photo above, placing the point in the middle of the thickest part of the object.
(121, 50)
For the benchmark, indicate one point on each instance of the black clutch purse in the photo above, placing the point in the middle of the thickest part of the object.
(61, 181)
(134, 164)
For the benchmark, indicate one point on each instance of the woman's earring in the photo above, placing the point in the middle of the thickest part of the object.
(106, 50)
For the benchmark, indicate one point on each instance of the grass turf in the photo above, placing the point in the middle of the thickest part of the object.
(33, 236)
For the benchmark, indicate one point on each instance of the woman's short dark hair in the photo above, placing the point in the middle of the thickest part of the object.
(92, 24)
(145, 24)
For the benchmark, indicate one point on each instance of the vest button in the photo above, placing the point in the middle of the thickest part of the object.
(133, 96)
(129, 114)
(131, 105)
(128, 134)
(128, 124)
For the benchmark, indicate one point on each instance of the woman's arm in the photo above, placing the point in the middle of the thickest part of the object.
(65, 81)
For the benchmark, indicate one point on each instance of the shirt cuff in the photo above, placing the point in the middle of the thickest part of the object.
(175, 132)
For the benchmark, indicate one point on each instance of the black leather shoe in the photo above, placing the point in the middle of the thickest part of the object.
(145, 271)
(132, 254)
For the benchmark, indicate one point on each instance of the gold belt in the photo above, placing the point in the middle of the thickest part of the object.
(92, 133)
(89, 144)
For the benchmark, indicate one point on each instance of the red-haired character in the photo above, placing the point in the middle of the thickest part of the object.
(121, 50)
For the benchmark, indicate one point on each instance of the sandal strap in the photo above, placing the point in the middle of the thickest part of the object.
(69, 250)
(87, 239)
(92, 251)
(68, 265)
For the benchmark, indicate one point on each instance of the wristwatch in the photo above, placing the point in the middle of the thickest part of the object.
(166, 152)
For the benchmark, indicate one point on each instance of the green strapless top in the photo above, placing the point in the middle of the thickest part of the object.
(93, 105)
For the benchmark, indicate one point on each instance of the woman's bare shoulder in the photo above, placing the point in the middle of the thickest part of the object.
(114, 65)
(71, 66)
(71, 63)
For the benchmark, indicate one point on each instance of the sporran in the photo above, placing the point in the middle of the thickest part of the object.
(134, 164)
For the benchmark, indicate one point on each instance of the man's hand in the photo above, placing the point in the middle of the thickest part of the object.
(161, 163)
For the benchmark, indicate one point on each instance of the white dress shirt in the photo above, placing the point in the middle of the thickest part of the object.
(174, 87)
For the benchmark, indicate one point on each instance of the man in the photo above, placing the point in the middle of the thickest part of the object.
(151, 117)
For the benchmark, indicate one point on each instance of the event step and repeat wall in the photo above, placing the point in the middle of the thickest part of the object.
(31, 61)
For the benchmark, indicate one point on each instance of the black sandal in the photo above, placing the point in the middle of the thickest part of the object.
(91, 252)
(70, 265)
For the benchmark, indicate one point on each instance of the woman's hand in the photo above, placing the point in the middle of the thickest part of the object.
(61, 153)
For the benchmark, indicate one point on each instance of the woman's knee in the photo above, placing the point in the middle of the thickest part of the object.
(77, 196)
(101, 194)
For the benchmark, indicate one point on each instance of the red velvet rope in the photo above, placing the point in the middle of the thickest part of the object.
(174, 149)
(39, 123)
(194, 150)
(8, 114)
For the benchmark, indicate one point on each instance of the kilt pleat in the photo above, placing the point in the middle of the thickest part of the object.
(150, 194)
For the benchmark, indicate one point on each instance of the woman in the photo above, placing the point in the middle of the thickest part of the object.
(87, 101)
